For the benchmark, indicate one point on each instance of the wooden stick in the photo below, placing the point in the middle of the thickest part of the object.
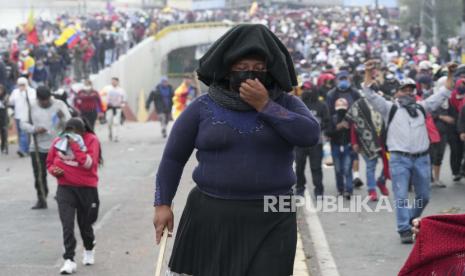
(161, 252)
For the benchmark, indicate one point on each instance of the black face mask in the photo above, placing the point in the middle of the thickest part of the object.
(238, 77)
(341, 113)
(310, 95)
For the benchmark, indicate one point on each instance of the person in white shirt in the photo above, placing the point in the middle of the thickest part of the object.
(19, 101)
(47, 120)
(116, 100)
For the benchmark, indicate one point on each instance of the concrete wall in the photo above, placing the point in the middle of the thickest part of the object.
(142, 67)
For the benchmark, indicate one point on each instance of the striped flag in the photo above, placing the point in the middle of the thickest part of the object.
(30, 29)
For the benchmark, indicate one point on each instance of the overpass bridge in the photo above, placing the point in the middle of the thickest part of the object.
(141, 68)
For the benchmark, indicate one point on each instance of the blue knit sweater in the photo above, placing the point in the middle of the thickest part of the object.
(241, 155)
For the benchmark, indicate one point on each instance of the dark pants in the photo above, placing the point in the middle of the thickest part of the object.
(3, 130)
(85, 202)
(42, 189)
(456, 153)
(436, 152)
(315, 156)
(91, 116)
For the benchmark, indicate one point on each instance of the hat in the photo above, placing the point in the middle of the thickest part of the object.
(425, 65)
(307, 85)
(460, 70)
(407, 82)
(341, 104)
(243, 40)
(22, 81)
(342, 74)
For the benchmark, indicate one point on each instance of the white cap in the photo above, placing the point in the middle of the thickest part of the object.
(407, 82)
(425, 65)
(22, 81)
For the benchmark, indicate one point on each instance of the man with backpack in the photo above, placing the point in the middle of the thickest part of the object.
(408, 143)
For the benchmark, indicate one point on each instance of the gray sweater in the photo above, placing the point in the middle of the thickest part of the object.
(406, 134)
(46, 118)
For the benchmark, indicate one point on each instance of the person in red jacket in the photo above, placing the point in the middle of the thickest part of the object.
(89, 103)
(74, 159)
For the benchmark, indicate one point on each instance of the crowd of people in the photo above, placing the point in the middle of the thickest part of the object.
(374, 91)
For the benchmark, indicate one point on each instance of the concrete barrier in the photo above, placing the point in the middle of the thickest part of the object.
(141, 68)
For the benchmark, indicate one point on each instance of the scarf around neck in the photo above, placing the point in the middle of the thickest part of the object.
(410, 104)
(232, 100)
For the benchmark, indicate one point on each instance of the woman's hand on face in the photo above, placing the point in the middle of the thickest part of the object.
(163, 218)
(254, 93)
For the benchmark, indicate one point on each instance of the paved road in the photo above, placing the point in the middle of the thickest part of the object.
(360, 243)
(31, 240)
(366, 244)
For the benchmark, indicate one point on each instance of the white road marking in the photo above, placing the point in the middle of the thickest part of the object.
(106, 217)
(323, 253)
(300, 264)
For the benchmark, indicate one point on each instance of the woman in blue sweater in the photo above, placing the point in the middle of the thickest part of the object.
(244, 131)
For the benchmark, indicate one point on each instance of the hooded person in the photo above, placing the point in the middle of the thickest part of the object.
(21, 98)
(457, 99)
(88, 103)
(244, 128)
(162, 98)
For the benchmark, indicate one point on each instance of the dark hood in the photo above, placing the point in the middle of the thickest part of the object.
(243, 40)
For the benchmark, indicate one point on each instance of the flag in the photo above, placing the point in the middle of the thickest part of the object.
(253, 8)
(65, 36)
(110, 8)
(180, 100)
(73, 40)
(30, 30)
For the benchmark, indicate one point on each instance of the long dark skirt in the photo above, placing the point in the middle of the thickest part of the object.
(233, 237)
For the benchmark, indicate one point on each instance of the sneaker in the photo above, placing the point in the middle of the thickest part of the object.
(21, 154)
(357, 182)
(439, 184)
(373, 195)
(88, 257)
(457, 177)
(68, 267)
(406, 237)
(41, 204)
(383, 188)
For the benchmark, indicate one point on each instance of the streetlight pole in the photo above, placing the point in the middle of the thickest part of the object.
(462, 29)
